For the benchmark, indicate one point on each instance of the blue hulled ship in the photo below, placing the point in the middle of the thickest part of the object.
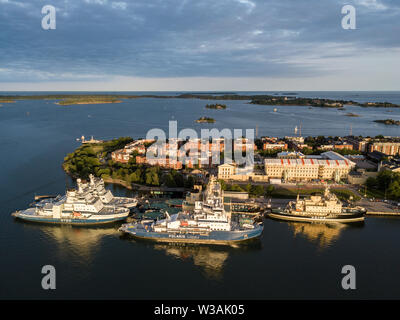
(208, 224)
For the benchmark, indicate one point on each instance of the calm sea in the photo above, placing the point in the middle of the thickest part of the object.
(290, 261)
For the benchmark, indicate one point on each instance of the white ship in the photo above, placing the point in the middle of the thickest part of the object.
(81, 206)
(326, 208)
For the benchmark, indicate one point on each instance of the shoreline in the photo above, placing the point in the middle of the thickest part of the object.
(258, 99)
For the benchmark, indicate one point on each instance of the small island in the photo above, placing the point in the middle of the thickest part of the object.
(216, 106)
(350, 114)
(88, 100)
(205, 120)
(389, 122)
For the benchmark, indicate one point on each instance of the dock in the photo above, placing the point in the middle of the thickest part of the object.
(37, 198)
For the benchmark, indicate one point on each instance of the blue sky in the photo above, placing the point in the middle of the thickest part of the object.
(199, 45)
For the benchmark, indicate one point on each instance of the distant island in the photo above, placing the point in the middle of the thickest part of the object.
(205, 120)
(88, 100)
(216, 106)
(350, 114)
(389, 122)
(254, 99)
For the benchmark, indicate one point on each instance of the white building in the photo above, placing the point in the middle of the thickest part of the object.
(307, 169)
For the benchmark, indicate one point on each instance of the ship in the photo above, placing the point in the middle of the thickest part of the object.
(324, 208)
(97, 188)
(209, 223)
(77, 207)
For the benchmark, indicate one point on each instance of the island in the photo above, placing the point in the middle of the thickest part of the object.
(350, 114)
(389, 122)
(216, 106)
(205, 120)
(88, 100)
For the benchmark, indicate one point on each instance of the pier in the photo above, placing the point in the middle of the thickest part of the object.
(37, 198)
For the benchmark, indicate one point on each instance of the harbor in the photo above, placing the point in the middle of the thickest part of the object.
(82, 255)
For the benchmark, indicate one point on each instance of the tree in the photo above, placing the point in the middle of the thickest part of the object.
(269, 189)
(394, 189)
(371, 183)
(169, 181)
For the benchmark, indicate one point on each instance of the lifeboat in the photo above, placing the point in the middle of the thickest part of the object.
(184, 223)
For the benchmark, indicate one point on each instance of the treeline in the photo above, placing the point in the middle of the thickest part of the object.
(386, 183)
(253, 190)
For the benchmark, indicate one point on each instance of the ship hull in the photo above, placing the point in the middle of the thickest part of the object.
(213, 237)
(345, 218)
(70, 221)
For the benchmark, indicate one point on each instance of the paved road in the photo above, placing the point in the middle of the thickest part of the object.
(379, 207)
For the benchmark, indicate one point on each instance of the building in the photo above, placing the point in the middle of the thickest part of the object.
(120, 156)
(273, 143)
(358, 143)
(226, 171)
(391, 165)
(125, 154)
(341, 146)
(361, 176)
(331, 155)
(389, 148)
(290, 155)
(275, 146)
(307, 169)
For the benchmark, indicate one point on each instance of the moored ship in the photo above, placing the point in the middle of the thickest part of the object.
(326, 208)
(78, 207)
(208, 224)
(97, 188)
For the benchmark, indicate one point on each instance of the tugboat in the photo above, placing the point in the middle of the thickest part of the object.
(326, 208)
(208, 224)
(77, 207)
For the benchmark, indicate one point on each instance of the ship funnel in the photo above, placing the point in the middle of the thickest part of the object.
(91, 177)
(79, 182)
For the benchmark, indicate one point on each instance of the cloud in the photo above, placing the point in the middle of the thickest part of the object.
(119, 5)
(282, 39)
(372, 4)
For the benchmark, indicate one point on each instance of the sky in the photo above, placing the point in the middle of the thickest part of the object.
(186, 45)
